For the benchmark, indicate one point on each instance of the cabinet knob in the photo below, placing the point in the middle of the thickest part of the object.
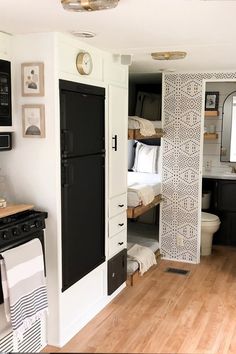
(120, 243)
(121, 205)
(122, 224)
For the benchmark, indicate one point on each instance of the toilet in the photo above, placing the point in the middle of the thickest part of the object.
(210, 223)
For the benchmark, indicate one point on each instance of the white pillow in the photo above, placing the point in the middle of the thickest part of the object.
(146, 158)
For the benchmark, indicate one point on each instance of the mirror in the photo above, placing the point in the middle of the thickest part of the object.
(228, 137)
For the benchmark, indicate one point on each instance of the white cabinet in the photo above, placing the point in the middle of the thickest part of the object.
(118, 130)
(118, 151)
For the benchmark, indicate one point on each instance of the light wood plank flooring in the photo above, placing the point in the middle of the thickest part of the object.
(169, 313)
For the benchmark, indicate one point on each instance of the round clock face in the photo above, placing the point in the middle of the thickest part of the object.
(84, 63)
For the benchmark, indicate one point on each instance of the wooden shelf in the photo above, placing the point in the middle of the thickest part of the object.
(134, 134)
(211, 113)
(210, 136)
(133, 213)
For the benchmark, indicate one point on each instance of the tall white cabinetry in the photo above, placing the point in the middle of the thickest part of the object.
(118, 129)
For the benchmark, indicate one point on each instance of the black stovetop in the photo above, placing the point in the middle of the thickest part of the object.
(18, 226)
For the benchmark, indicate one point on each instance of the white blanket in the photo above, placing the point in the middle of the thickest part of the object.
(143, 255)
(24, 286)
(141, 193)
(146, 126)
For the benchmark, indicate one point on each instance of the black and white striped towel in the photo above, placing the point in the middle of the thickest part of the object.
(24, 286)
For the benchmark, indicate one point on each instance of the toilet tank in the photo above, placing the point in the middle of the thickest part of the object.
(206, 199)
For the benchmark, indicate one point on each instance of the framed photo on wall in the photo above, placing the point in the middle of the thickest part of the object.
(33, 121)
(32, 79)
(212, 101)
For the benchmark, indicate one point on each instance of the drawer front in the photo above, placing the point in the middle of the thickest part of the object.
(117, 243)
(117, 205)
(117, 224)
(117, 271)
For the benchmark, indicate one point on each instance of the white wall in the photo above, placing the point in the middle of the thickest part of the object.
(211, 148)
(32, 169)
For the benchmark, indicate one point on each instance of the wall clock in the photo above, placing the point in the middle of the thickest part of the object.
(84, 63)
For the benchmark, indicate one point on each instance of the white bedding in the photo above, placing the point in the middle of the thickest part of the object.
(153, 244)
(132, 124)
(152, 180)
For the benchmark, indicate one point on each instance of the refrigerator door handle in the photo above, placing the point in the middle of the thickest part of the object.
(67, 142)
(67, 175)
(114, 138)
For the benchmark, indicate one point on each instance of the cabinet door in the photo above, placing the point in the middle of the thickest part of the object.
(226, 195)
(118, 130)
(117, 271)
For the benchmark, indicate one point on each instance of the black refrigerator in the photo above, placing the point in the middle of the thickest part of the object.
(82, 116)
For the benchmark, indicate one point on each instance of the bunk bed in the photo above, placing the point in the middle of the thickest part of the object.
(144, 237)
(144, 180)
(136, 132)
(141, 185)
(144, 193)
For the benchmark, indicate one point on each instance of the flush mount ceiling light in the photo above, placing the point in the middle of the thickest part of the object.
(168, 55)
(88, 5)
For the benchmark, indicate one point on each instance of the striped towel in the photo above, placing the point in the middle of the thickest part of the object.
(24, 286)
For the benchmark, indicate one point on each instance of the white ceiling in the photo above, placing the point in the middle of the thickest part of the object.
(205, 29)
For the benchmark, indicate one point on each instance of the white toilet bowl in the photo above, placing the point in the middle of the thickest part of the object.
(210, 223)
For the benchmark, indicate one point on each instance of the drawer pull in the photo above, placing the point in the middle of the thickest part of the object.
(122, 224)
(121, 205)
(120, 243)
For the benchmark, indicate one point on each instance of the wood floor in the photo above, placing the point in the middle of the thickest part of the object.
(169, 313)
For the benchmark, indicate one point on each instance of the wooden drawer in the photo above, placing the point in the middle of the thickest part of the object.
(117, 243)
(117, 224)
(117, 271)
(117, 205)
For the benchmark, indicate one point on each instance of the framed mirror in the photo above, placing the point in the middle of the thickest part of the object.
(228, 136)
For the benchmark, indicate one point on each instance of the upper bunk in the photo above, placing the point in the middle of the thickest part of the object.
(146, 107)
(140, 128)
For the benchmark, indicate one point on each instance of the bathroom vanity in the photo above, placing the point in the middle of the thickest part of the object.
(223, 204)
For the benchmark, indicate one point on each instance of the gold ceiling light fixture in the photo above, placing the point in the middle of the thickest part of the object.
(168, 55)
(89, 5)
(83, 34)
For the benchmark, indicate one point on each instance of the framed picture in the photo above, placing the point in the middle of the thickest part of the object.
(33, 121)
(32, 79)
(211, 101)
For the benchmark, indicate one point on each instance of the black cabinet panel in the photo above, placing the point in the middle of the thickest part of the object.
(223, 204)
(226, 195)
(5, 93)
(83, 217)
(82, 120)
(117, 271)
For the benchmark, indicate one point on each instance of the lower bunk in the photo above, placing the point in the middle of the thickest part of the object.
(141, 237)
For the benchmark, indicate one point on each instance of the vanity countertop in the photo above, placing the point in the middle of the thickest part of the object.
(219, 175)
